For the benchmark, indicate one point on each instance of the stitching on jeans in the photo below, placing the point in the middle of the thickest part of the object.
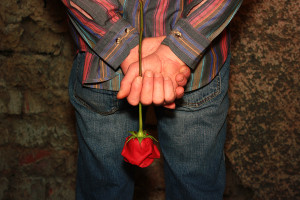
(209, 97)
(113, 110)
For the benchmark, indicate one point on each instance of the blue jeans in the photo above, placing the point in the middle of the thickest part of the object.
(191, 138)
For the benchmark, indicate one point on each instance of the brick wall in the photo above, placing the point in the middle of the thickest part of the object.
(37, 135)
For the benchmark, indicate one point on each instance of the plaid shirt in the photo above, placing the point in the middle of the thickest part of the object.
(106, 30)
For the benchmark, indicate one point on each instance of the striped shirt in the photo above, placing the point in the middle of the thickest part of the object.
(106, 30)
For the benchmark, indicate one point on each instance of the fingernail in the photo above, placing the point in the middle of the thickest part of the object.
(184, 70)
(180, 78)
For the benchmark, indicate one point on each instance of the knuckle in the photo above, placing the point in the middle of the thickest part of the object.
(158, 101)
(132, 101)
(170, 98)
(146, 102)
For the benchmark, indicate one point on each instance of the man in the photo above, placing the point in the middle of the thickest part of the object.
(186, 49)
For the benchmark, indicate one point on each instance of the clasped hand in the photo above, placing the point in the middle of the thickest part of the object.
(164, 75)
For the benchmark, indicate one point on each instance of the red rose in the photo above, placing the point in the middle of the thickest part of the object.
(141, 153)
(139, 148)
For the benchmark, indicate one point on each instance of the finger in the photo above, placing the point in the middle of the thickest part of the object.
(134, 95)
(186, 71)
(181, 79)
(126, 83)
(158, 89)
(131, 58)
(147, 88)
(170, 106)
(168, 90)
(179, 92)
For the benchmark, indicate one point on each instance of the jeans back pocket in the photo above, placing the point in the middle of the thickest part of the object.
(101, 101)
(195, 99)
(216, 90)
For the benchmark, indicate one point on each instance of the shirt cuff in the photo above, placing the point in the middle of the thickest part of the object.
(187, 43)
(116, 44)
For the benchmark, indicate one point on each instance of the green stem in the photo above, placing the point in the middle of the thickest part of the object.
(140, 132)
(140, 118)
(141, 37)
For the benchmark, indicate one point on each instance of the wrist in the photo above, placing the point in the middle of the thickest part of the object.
(164, 52)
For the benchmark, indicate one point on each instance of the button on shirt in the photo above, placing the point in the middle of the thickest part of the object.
(106, 30)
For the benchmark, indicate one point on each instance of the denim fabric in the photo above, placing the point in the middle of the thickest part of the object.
(191, 138)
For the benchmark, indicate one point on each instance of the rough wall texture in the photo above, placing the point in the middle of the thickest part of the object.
(263, 140)
(38, 141)
(38, 144)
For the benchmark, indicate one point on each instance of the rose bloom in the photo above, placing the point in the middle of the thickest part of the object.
(140, 154)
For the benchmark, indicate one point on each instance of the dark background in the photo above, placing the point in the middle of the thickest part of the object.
(37, 136)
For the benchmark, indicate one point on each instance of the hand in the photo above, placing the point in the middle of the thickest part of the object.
(149, 46)
(164, 77)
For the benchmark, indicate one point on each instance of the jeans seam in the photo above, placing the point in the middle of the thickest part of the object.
(113, 110)
(209, 97)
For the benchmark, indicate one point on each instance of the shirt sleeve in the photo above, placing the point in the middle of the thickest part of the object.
(100, 24)
(201, 22)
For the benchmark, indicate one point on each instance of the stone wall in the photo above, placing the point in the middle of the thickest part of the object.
(38, 141)
(263, 144)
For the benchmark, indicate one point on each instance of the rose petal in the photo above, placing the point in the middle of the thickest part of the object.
(138, 154)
